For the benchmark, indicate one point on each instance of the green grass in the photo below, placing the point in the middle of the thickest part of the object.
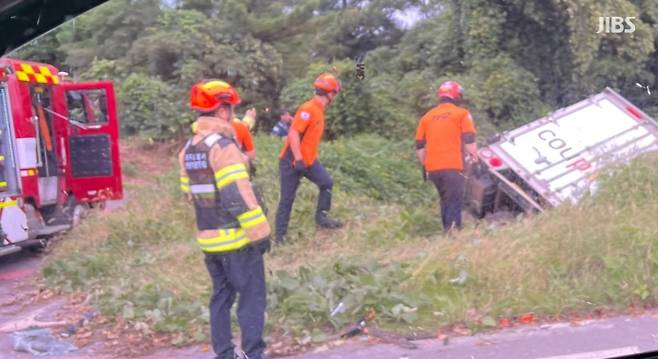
(141, 262)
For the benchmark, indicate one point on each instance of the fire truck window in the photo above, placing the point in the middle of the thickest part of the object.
(42, 109)
(87, 106)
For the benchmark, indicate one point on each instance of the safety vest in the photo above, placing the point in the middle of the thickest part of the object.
(204, 186)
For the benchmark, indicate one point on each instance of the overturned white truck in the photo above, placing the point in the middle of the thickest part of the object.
(556, 159)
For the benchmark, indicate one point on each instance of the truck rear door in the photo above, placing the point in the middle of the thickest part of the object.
(93, 164)
(559, 156)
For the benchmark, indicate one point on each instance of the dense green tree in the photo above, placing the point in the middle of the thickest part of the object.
(149, 108)
(362, 106)
(187, 46)
(43, 49)
(107, 32)
(517, 59)
(206, 7)
(520, 58)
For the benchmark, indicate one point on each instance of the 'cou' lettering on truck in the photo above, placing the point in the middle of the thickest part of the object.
(557, 143)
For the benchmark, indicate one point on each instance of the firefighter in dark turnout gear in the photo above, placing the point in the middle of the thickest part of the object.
(233, 231)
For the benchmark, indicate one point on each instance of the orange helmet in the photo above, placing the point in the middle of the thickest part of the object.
(327, 83)
(207, 96)
(450, 89)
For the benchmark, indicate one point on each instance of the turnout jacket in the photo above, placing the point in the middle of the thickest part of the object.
(214, 175)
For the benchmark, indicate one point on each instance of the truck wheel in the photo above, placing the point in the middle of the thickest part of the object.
(34, 220)
(75, 211)
(79, 212)
(40, 247)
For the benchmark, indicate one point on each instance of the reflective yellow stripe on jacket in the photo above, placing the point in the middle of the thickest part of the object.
(8, 203)
(185, 184)
(252, 218)
(226, 240)
(230, 174)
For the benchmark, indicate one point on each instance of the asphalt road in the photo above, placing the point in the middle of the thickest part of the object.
(17, 273)
(594, 339)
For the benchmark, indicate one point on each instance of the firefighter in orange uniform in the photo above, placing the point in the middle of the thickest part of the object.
(244, 140)
(298, 158)
(249, 119)
(233, 231)
(246, 144)
(443, 134)
(243, 133)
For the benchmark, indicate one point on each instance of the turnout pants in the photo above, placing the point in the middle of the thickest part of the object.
(290, 180)
(243, 272)
(451, 186)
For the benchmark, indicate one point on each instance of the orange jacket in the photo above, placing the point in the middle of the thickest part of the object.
(243, 136)
(440, 132)
(309, 122)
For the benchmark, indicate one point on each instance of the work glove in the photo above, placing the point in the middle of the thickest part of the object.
(299, 166)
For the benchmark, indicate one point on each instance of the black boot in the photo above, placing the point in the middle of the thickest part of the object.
(324, 221)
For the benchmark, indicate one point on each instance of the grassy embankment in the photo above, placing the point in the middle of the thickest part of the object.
(140, 262)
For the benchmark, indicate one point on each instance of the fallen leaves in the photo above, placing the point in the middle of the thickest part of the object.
(527, 318)
(504, 323)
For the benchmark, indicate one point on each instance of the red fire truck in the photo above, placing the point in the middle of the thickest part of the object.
(59, 151)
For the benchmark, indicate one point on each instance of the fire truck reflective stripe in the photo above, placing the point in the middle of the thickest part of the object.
(6, 204)
(44, 70)
(22, 76)
(3, 184)
(27, 68)
(40, 78)
(40, 74)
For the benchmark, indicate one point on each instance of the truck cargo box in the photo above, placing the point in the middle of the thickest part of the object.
(557, 158)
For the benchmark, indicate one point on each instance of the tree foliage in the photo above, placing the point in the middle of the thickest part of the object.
(517, 59)
(362, 106)
(149, 107)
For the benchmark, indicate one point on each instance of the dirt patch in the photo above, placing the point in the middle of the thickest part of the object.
(142, 161)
